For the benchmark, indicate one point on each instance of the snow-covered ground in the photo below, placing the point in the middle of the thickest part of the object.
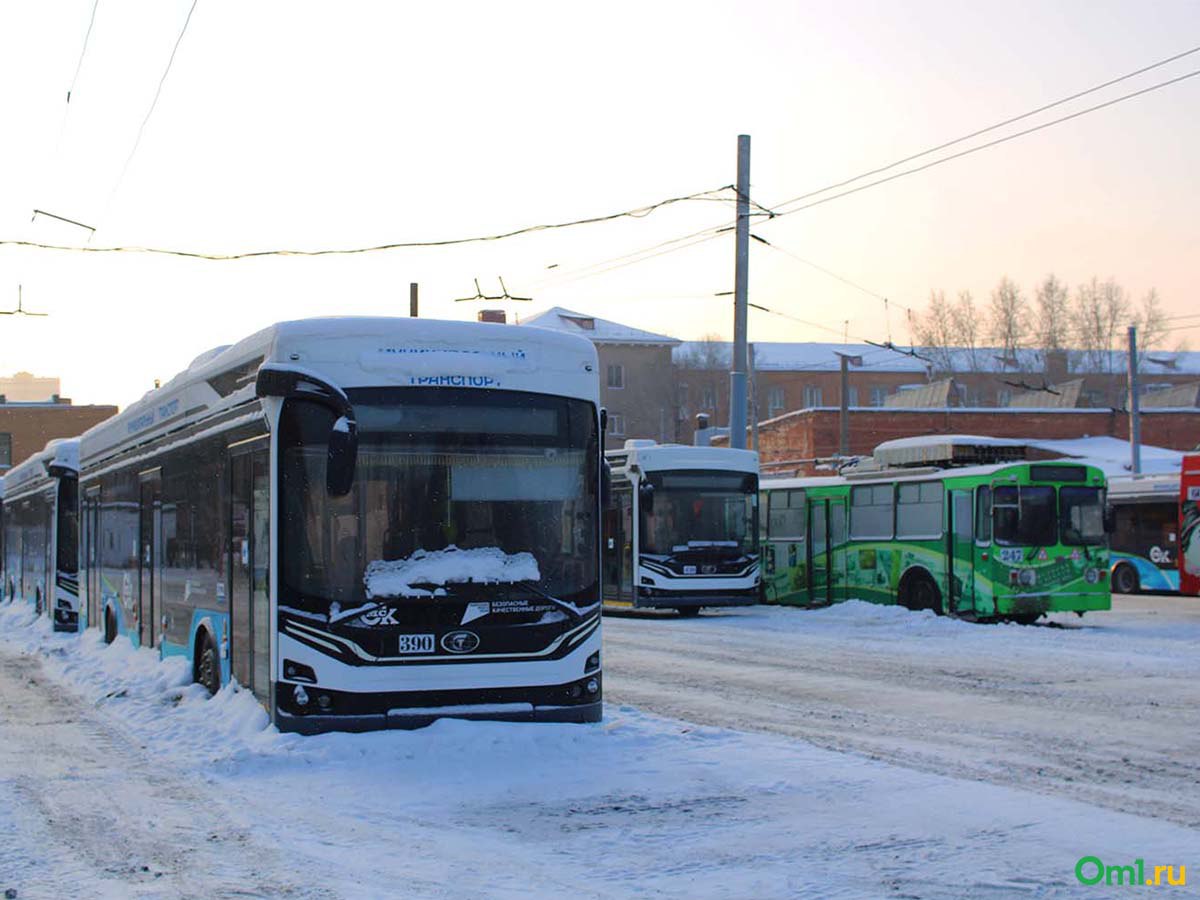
(119, 779)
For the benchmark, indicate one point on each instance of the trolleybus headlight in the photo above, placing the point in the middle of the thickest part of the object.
(593, 685)
(1092, 576)
(1028, 577)
(298, 671)
(324, 701)
(300, 695)
(593, 662)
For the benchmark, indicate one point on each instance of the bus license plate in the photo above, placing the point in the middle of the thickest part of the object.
(416, 643)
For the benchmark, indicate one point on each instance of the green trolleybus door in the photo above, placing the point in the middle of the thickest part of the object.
(818, 552)
(249, 600)
(150, 557)
(960, 554)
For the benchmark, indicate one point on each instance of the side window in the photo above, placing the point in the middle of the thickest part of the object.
(616, 375)
(983, 514)
(871, 512)
(919, 510)
(785, 517)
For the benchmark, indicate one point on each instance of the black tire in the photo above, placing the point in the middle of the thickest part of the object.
(208, 665)
(687, 612)
(1125, 579)
(110, 626)
(1024, 618)
(920, 593)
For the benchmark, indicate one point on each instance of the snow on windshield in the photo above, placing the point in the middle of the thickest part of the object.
(482, 565)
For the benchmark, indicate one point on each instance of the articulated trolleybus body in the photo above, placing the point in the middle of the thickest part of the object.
(370, 523)
(681, 530)
(41, 533)
(1007, 541)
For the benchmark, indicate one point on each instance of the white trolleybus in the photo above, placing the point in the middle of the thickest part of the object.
(681, 527)
(41, 518)
(369, 523)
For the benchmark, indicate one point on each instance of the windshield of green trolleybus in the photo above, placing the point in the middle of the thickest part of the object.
(699, 510)
(1024, 516)
(512, 473)
(1081, 515)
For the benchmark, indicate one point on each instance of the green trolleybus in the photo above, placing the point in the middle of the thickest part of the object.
(1003, 541)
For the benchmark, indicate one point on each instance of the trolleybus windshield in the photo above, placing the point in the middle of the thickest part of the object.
(699, 510)
(441, 468)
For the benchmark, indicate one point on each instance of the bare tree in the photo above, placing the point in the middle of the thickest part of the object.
(967, 329)
(1009, 320)
(710, 352)
(933, 330)
(1151, 322)
(1101, 313)
(1053, 314)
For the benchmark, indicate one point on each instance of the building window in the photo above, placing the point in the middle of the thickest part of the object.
(616, 375)
(1003, 397)
(775, 402)
(852, 396)
(878, 396)
(812, 396)
(708, 399)
(616, 424)
(5, 449)
(683, 393)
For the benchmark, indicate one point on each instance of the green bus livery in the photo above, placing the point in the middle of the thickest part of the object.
(1006, 541)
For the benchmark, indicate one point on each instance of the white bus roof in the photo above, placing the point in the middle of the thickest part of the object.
(32, 473)
(1135, 488)
(357, 352)
(649, 456)
(914, 474)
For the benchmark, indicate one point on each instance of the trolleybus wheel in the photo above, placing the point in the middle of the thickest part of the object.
(1024, 618)
(1125, 579)
(208, 665)
(921, 593)
(687, 612)
(110, 626)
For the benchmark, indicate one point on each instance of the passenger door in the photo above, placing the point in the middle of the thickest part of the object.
(249, 556)
(149, 556)
(960, 554)
(818, 552)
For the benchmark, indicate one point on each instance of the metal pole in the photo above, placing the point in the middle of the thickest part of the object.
(1135, 419)
(847, 361)
(412, 299)
(754, 416)
(737, 375)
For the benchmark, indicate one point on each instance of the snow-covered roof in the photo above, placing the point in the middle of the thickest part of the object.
(804, 356)
(995, 360)
(595, 329)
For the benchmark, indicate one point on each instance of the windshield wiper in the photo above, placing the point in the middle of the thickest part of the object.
(569, 608)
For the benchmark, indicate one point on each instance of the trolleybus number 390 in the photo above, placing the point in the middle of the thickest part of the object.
(416, 643)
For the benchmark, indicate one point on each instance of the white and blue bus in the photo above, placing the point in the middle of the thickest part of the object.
(1144, 543)
(681, 527)
(41, 520)
(367, 522)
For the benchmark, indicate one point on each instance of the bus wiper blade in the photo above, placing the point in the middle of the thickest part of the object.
(569, 608)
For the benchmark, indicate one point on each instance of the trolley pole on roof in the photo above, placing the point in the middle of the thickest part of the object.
(737, 374)
(412, 299)
(1135, 419)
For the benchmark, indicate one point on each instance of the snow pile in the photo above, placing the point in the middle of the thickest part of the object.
(635, 806)
(481, 565)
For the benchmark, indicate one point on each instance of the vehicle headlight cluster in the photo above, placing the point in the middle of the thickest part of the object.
(1028, 577)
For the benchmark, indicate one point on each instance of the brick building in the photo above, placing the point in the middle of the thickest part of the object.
(26, 427)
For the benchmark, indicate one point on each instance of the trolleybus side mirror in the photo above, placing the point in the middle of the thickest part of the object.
(284, 382)
(646, 496)
(1110, 519)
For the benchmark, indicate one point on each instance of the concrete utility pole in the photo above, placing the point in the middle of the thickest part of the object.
(754, 417)
(412, 299)
(741, 272)
(1135, 419)
(847, 362)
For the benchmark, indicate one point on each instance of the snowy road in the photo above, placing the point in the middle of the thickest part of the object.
(1105, 709)
(119, 779)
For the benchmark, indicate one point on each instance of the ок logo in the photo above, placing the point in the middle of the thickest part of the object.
(1092, 870)
(460, 641)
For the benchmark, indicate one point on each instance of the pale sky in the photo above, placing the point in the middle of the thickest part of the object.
(307, 125)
